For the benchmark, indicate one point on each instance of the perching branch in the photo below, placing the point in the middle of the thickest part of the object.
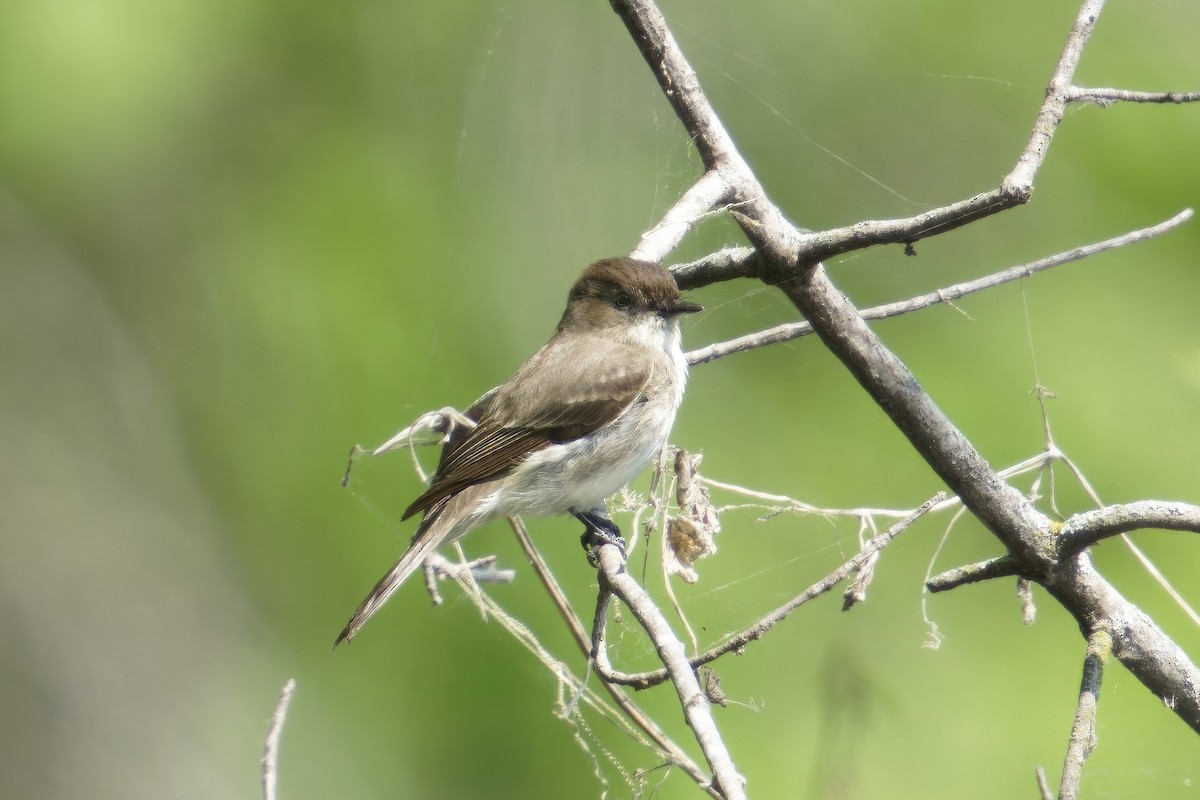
(676, 756)
(696, 707)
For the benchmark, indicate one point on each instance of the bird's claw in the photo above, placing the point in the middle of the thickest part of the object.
(599, 530)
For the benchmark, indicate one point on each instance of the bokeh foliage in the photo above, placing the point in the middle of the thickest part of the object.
(236, 238)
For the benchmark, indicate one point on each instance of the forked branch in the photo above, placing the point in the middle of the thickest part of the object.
(787, 257)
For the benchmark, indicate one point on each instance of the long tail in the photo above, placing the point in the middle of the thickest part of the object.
(431, 535)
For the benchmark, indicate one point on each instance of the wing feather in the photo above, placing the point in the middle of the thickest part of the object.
(521, 417)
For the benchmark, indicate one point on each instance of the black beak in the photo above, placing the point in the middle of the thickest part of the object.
(685, 307)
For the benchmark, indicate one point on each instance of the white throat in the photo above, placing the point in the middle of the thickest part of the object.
(662, 334)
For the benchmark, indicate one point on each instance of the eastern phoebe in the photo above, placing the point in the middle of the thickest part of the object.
(579, 420)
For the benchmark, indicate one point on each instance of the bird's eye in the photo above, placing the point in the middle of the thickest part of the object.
(622, 300)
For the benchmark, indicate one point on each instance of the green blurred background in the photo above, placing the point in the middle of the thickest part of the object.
(236, 238)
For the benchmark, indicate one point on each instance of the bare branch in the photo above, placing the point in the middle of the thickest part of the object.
(1014, 190)
(699, 201)
(678, 81)
(1089, 527)
(1107, 97)
(1083, 732)
(696, 707)
(826, 244)
(789, 260)
(723, 265)
(480, 570)
(1001, 567)
(1020, 180)
(794, 330)
(270, 756)
(1023, 529)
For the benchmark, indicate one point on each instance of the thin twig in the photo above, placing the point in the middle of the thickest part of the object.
(1106, 97)
(1155, 573)
(1051, 112)
(270, 756)
(794, 330)
(1000, 567)
(1083, 732)
(644, 680)
(1043, 784)
(1011, 517)
(1014, 190)
(824, 245)
(790, 504)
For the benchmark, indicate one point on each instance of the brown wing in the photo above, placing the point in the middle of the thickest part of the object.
(522, 417)
(475, 413)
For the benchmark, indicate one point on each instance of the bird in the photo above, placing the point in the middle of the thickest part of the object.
(573, 425)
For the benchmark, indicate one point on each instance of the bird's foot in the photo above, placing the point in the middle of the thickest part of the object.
(599, 530)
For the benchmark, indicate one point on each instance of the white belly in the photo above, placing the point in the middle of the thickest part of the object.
(581, 474)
